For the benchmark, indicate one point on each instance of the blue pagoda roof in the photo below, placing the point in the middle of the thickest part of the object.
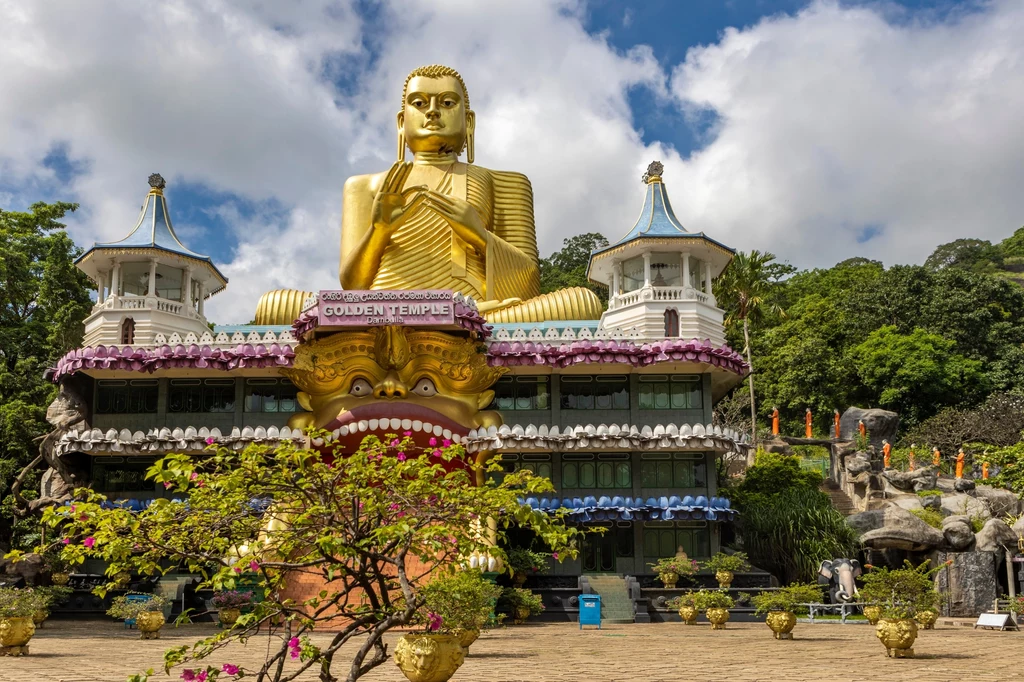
(154, 230)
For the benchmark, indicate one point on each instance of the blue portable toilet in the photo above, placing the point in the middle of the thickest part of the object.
(590, 610)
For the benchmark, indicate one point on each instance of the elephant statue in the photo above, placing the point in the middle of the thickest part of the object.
(839, 575)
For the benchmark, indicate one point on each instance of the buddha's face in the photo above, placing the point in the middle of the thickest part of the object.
(435, 117)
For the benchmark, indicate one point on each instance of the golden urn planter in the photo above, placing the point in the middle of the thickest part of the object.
(669, 579)
(724, 579)
(149, 623)
(718, 618)
(520, 615)
(781, 623)
(897, 636)
(60, 578)
(926, 619)
(467, 637)
(14, 635)
(688, 614)
(39, 617)
(228, 617)
(429, 657)
(873, 613)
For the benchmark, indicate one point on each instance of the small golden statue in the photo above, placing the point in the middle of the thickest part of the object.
(440, 223)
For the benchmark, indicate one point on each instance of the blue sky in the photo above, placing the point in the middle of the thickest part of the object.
(818, 130)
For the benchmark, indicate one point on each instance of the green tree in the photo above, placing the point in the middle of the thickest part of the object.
(372, 527)
(1013, 246)
(746, 290)
(43, 301)
(916, 373)
(971, 254)
(568, 267)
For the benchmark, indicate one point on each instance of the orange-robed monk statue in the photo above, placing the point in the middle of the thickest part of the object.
(835, 423)
(936, 457)
(886, 453)
(437, 222)
(809, 423)
(775, 421)
(960, 463)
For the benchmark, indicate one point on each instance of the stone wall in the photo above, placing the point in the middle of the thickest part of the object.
(968, 584)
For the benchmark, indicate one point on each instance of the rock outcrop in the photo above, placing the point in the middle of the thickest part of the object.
(896, 528)
(994, 536)
(958, 533)
(968, 584)
(880, 424)
(919, 479)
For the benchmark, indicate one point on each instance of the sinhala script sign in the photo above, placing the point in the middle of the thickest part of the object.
(374, 308)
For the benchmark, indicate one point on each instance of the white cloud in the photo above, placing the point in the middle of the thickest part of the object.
(842, 118)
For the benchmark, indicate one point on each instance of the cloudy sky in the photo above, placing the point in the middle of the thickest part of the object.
(818, 130)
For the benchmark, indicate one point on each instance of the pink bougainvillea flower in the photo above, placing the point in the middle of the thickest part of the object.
(295, 647)
(446, 442)
(554, 555)
(167, 484)
(230, 669)
(188, 675)
(406, 433)
(201, 677)
(66, 541)
(293, 642)
(393, 506)
(238, 569)
(83, 517)
(89, 542)
(436, 453)
(434, 622)
(254, 565)
(401, 457)
(432, 442)
(71, 509)
(211, 440)
(395, 442)
(193, 476)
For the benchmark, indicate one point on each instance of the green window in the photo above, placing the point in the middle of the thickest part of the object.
(671, 392)
(601, 392)
(197, 395)
(679, 470)
(539, 464)
(604, 473)
(522, 393)
(270, 395)
(121, 474)
(664, 540)
(120, 396)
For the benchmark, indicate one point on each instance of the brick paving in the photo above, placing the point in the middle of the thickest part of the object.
(78, 651)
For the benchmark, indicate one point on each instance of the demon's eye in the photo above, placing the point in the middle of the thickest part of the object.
(425, 387)
(360, 387)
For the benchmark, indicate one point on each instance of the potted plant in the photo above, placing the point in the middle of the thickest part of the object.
(781, 606)
(725, 566)
(59, 569)
(670, 569)
(872, 612)
(54, 594)
(520, 604)
(686, 605)
(522, 562)
(715, 604)
(229, 605)
(463, 601)
(1016, 606)
(900, 595)
(147, 610)
(17, 606)
(431, 654)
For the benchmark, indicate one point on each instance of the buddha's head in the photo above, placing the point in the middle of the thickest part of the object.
(392, 380)
(435, 115)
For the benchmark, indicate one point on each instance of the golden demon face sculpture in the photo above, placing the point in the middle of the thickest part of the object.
(393, 380)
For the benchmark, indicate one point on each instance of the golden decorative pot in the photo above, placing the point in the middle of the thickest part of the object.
(724, 578)
(228, 617)
(39, 616)
(897, 636)
(781, 623)
(688, 614)
(669, 579)
(149, 623)
(718, 618)
(428, 657)
(873, 613)
(926, 619)
(466, 637)
(14, 635)
(60, 578)
(520, 615)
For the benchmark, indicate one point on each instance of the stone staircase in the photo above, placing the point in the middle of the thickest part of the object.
(616, 605)
(840, 500)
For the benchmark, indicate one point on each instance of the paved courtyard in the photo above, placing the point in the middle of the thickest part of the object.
(93, 651)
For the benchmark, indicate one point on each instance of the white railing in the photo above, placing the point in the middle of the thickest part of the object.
(147, 303)
(660, 294)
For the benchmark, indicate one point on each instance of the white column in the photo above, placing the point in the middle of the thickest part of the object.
(685, 258)
(100, 277)
(152, 277)
(616, 278)
(707, 277)
(202, 295)
(115, 280)
(186, 287)
(647, 269)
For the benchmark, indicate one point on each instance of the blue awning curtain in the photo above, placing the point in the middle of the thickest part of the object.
(606, 508)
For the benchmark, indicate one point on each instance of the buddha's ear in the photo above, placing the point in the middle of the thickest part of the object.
(470, 136)
(401, 136)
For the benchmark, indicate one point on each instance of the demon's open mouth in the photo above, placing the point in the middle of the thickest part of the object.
(399, 417)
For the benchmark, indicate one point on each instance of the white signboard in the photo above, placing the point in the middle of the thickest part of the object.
(996, 620)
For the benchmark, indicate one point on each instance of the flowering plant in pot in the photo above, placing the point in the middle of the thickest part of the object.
(686, 605)
(17, 606)
(522, 562)
(229, 604)
(670, 569)
(520, 603)
(901, 595)
(781, 606)
(715, 604)
(51, 595)
(147, 610)
(461, 603)
(724, 566)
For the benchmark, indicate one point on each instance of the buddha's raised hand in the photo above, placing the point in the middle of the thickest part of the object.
(392, 205)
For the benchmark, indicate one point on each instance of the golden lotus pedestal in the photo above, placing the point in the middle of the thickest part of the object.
(688, 614)
(15, 634)
(781, 623)
(149, 624)
(718, 618)
(897, 636)
(429, 658)
(669, 579)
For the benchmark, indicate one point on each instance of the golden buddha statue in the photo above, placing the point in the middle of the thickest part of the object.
(440, 223)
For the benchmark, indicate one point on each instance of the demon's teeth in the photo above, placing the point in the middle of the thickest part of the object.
(336, 433)
(446, 434)
(438, 430)
(343, 431)
(456, 438)
(406, 424)
(417, 425)
(374, 424)
(318, 441)
(396, 423)
(363, 425)
(427, 426)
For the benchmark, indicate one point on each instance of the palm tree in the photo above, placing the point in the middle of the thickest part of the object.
(744, 291)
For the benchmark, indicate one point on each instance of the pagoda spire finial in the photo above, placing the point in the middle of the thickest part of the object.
(157, 182)
(654, 172)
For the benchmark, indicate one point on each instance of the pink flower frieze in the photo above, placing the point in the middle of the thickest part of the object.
(181, 356)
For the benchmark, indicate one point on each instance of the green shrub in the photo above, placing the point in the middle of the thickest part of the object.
(929, 493)
(727, 562)
(460, 600)
(788, 598)
(713, 599)
(685, 599)
(930, 516)
(903, 592)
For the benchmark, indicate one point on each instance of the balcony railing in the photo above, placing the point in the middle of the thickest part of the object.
(661, 295)
(147, 303)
